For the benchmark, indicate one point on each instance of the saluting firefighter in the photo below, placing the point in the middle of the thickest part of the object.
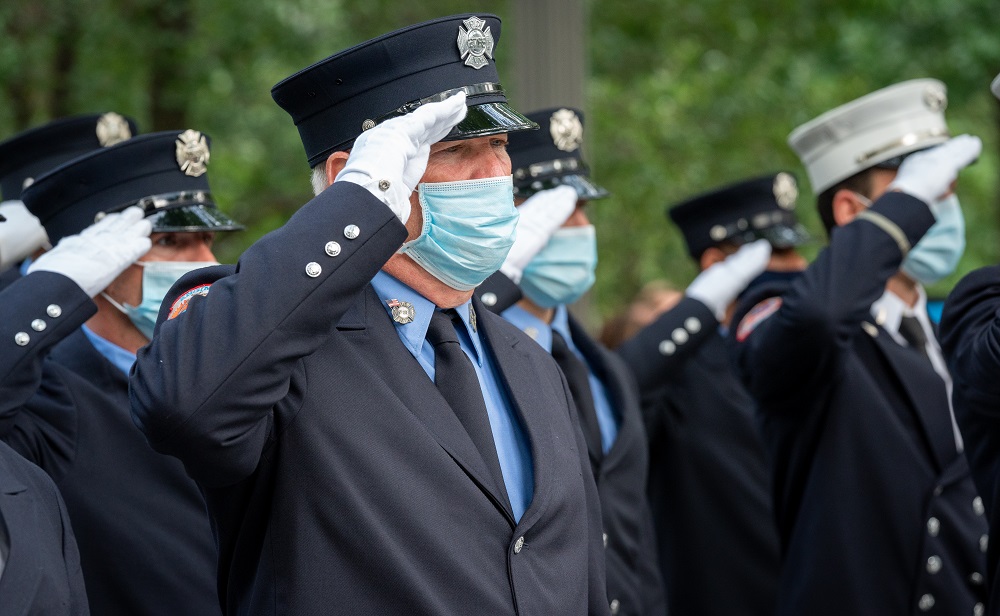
(876, 510)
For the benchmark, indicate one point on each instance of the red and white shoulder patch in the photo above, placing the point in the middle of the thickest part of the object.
(756, 316)
(180, 304)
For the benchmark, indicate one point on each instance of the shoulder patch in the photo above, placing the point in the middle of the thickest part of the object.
(180, 305)
(756, 316)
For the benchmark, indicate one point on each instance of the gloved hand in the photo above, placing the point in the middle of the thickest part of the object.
(719, 285)
(20, 235)
(537, 219)
(390, 159)
(928, 175)
(100, 252)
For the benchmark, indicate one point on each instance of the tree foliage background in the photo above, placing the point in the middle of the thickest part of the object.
(683, 95)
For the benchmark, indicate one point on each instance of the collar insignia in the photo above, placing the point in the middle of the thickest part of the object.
(475, 43)
(402, 312)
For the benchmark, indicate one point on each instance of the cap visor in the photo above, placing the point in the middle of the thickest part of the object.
(490, 119)
(189, 218)
(585, 189)
(784, 236)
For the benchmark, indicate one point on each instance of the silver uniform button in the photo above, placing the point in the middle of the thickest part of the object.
(933, 527)
(667, 348)
(38, 325)
(332, 249)
(351, 231)
(383, 185)
(21, 338)
(978, 610)
(693, 325)
(984, 543)
(313, 269)
(933, 564)
(679, 335)
(926, 602)
(938, 490)
(489, 299)
(615, 606)
(604, 537)
(977, 506)
(976, 578)
(53, 311)
(519, 544)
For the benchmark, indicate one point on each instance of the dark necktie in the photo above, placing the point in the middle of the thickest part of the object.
(456, 379)
(577, 376)
(913, 333)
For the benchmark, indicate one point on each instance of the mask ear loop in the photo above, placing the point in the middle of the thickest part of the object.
(123, 307)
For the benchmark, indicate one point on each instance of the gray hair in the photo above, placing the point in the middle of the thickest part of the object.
(319, 179)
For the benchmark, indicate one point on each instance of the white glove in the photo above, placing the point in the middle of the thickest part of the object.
(20, 235)
(718, 286)
(537, 219)
(390, 159)
(102, 251)
(928, 175)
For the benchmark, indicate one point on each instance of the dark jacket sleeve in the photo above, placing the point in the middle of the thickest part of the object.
(498, 293)
(26, 316)
(658, 349)
(205, 388)
(803, 340)
(970, 340)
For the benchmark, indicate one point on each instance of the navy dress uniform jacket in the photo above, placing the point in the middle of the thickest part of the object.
(42, 573)
(337, 476)
(709, 480)
(143, 532)
(634, 582)
(874, 505)
(969, 338)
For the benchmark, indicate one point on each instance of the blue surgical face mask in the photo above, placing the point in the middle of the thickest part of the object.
(157, 278)
(938, 252)
(468, 230)
(564, 269)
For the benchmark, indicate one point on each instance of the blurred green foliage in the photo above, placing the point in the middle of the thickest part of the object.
(683, 96)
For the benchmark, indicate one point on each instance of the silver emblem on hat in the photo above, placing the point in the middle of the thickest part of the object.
(475, 43)
(402, 312)
(786, 191)
(717, 233)
(112, 128)
(367, 125)
(566, 130)
(935, 98)
(192, 153)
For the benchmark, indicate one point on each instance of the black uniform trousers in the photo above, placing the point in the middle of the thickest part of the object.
(875, 507)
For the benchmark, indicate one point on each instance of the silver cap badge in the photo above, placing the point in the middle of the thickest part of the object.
(112, 128)
(402, 312)
(475, 43)
(192, 153)
(786, 191)
(566, 130)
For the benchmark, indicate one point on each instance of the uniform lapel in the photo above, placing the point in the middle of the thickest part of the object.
(599, 364)
(927, 395)
(21, 573)
(519, 374)
(418, 393)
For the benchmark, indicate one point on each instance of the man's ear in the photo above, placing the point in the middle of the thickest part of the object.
(846, 206)
(710, 257)
(335, 164)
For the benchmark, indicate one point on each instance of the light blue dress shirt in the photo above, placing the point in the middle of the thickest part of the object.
(607, 418)
(119, 357)
(513, 448)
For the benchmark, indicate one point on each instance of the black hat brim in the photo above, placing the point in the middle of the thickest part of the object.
(490, 119)
(586, 190)
(192, 218)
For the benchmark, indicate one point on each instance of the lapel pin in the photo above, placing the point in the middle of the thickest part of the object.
(402, 312)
